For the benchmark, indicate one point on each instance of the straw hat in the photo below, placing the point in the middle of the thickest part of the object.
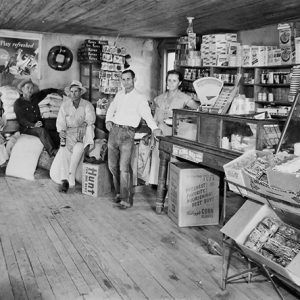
(23, 82)
(75, 83)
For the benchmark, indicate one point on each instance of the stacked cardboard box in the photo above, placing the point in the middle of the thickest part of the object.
(260, 55)
(287, 42)
(185, 54)
(215, 49)
(297, 50)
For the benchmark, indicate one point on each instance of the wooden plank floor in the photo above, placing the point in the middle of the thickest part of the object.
(72, 246)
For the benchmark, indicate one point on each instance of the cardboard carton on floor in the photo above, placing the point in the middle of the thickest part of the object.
(193, 195)
(96, 179)
(240, 226)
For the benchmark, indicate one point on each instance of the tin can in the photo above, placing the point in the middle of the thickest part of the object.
(62, 142)
(270, 97)
(264, 96)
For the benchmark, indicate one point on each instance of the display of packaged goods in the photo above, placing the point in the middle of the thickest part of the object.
(224, 100)
(254, 170)
(118, 67)
(107, 66)
(109, 90)
(274, 239)
(266, 239)
(182, 40)
(116, 75)
(104, 82)
(223, 60)
(234, 170)
(118, 59)
(192, 41)
(114, 50)
(107, 57)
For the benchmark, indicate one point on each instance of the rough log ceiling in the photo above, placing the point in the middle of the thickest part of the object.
(143, 18)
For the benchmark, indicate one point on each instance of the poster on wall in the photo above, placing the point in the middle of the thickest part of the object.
(19, 57)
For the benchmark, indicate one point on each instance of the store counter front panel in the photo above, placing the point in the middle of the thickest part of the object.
(188, 154)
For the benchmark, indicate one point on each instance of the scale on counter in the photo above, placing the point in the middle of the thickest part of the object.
(208, 90)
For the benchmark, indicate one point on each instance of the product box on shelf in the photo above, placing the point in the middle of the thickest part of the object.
(193, 195)
(246, 55)
(277, 56)
(96, 179)
(297, 50)
(242, 224)
(286, 35)
(254, 55)
(262, 50)
(287, 54)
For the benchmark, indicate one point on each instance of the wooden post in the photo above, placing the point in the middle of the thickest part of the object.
(162, 178)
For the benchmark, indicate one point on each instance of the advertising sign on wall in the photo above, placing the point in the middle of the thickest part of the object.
(19, 56)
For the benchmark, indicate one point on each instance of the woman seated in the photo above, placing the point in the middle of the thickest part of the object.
(75, 124)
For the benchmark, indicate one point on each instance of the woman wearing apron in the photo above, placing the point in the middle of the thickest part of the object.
(164, 103)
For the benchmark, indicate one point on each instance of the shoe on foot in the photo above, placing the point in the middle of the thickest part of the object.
(123, 204)
(72, 189)
(117, 199)
(64, 186)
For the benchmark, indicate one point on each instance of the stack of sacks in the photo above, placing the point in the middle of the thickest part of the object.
(50, 105)
(6, 144)
(9, 95)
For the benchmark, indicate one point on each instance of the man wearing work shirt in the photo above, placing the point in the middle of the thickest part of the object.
(29, 116)
(123, 117)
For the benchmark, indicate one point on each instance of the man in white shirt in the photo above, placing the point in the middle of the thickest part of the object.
(123, 117)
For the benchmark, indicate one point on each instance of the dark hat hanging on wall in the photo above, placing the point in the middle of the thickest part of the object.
(60, 58)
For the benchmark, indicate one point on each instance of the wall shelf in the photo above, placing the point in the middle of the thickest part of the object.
(275, 103)
(280, 85)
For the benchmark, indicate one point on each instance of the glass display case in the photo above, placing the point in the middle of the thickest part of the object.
(234, 133)
(89, 76)
(290, 139)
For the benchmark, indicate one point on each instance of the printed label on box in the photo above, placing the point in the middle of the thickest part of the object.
(90, 179)
(193, 195)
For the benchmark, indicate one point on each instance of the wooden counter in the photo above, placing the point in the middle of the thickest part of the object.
(195, 152)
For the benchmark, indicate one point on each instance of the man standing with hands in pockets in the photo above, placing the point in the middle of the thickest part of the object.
(123, 117)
